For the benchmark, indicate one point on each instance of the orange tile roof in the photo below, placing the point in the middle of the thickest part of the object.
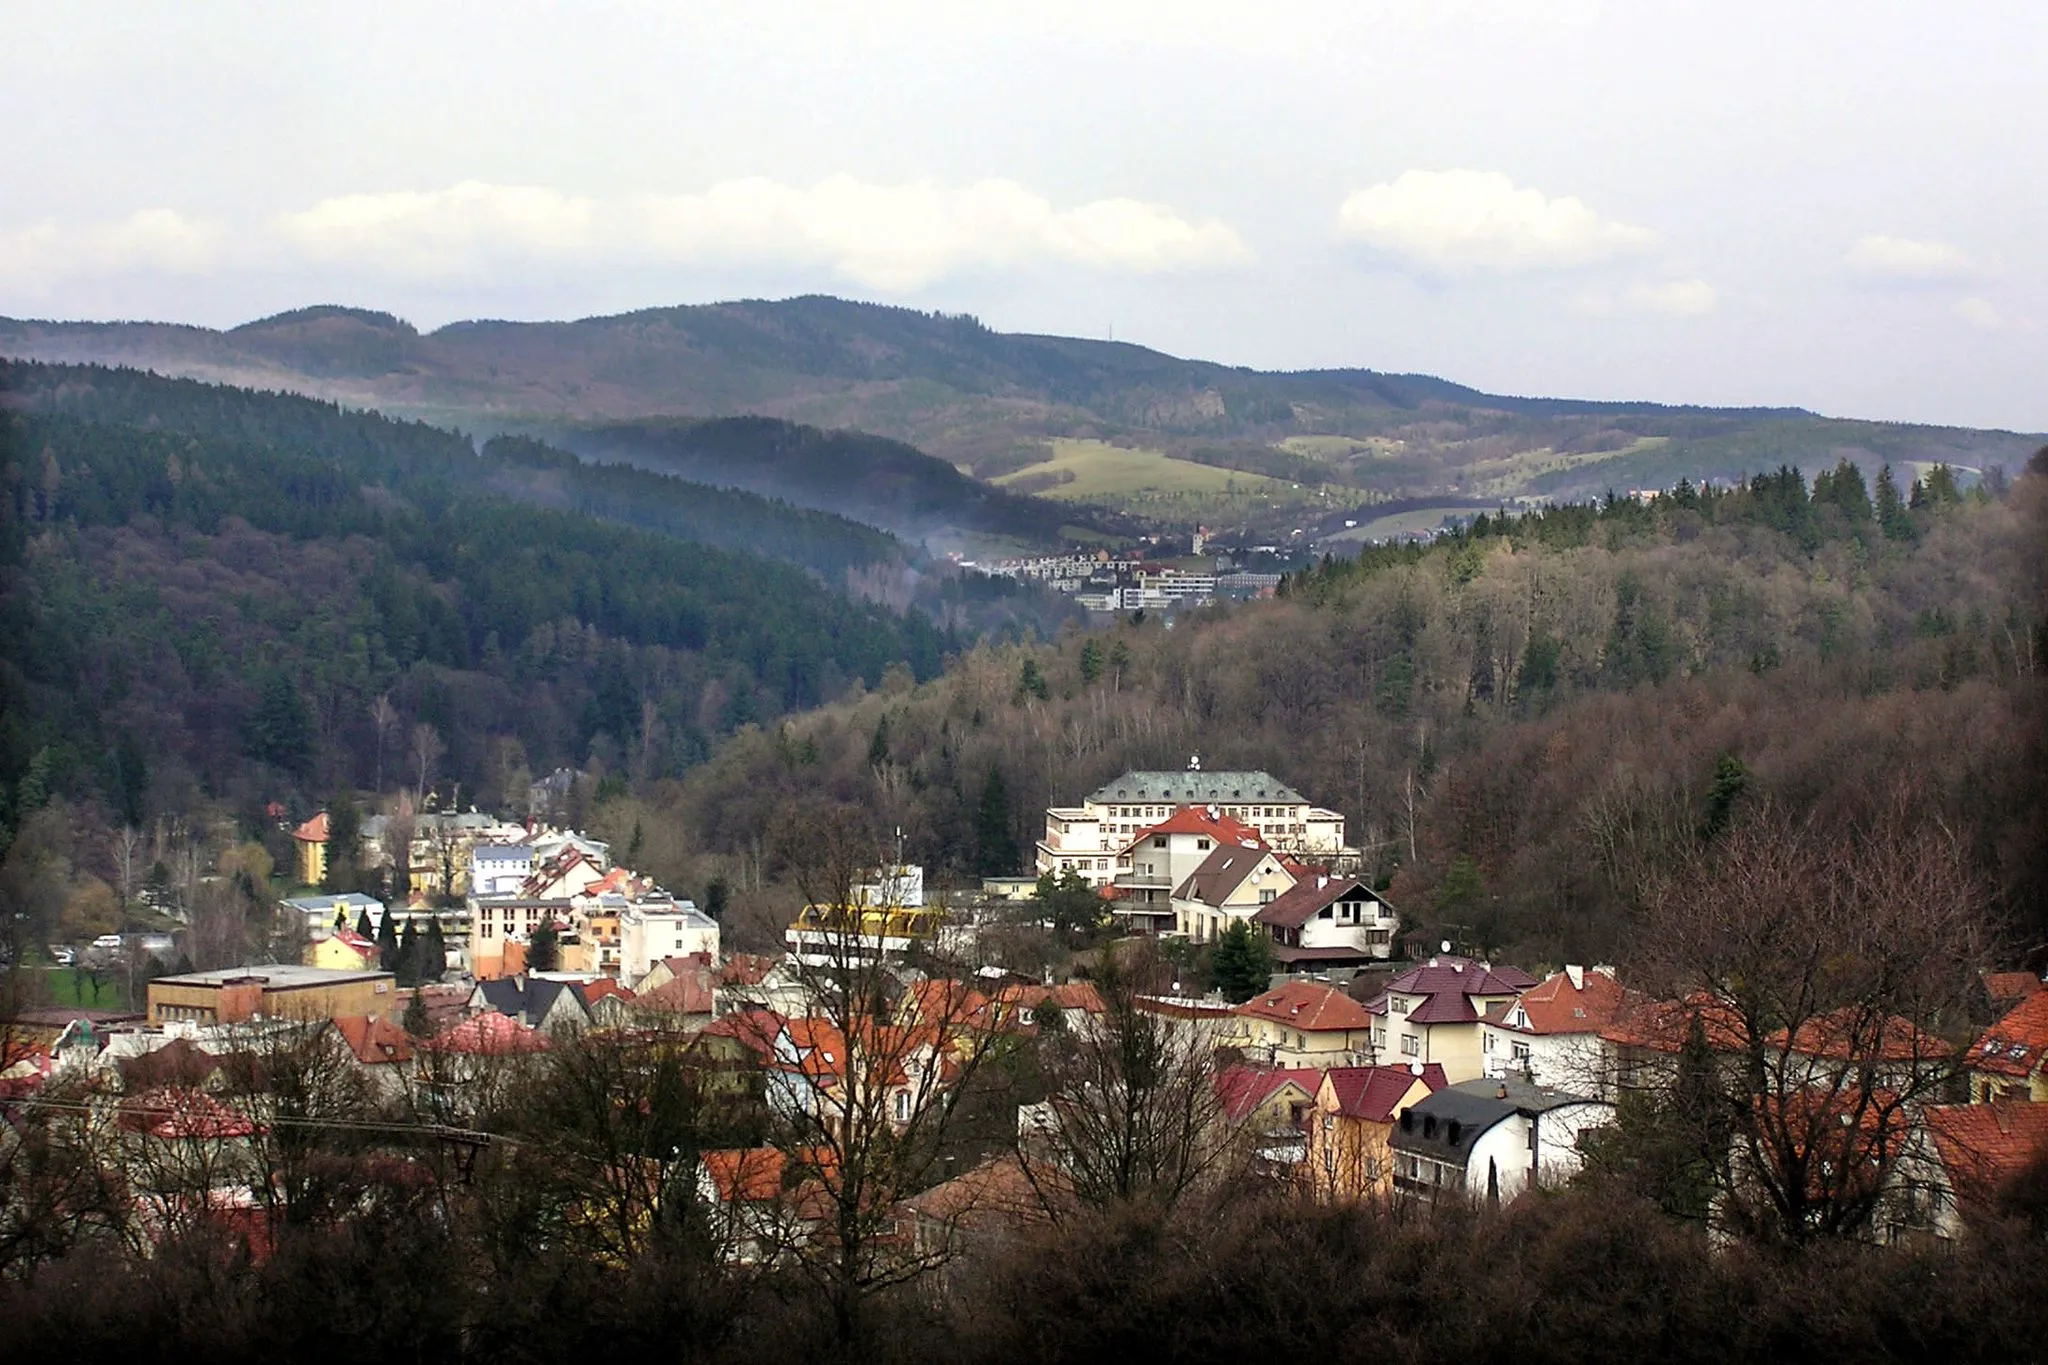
(1848, 1033)
(1308, 1007)
(314, 831)
(1662, 1025)
(1984, 1145)
(2009, 988)
(747, 969)
(1029, 995)
(2014, 1045)
(181, 1112)
(952, 1004)
(375, 1041)
(753, 1025)
(758, 1174)
(1555, 1006)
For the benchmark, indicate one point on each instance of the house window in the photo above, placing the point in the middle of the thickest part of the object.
(1266, 895)
(1486, 1042)
(1201, 844)
(1401, 1004)
(903, 1106)
(1159, 841)
(1411, 1046)
(1520, 1053)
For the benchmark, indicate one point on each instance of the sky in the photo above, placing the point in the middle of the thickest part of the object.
(1832, 205)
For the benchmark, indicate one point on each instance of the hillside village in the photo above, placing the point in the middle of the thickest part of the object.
(864, 1093)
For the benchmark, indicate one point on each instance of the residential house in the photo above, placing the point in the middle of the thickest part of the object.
(1019, 1004)
(1148, 868)
(2005, 1061)
(1233, 883)
(1351, 1125)
(343, 950)
(1303, 1023)
(381, 1049)
(1550, 1033)
(764, 1202)
(1432, 1013)
(683, 991)
(549, 1003)
(982, 1208)
(1977, 1149)
(1269, 1106)
(1641, 1045)
(1325, 920)
(1490, 1139)
(1089, 837)
(464, 1068)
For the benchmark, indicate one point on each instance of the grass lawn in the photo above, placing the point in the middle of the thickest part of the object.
(1338, 447)
(1106, 473)
(70, 986)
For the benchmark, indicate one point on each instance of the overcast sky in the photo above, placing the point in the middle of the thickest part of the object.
(1836, 205)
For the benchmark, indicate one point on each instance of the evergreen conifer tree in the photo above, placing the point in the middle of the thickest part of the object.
(387, 943)
(1243, 962)
(408, 968)
(995, 847)
(416, 1021)
(433, 951)
(364, 927)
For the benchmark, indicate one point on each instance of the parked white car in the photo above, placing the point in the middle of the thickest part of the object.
(109, 941)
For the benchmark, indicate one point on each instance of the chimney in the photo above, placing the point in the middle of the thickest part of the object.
(1502, 1092)
(1577, 975)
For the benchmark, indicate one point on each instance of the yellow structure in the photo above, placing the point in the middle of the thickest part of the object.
(275, 990)
(311, 841)
(343, 951)
(1349, 1154)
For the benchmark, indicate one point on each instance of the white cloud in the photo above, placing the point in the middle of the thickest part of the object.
(1460, 221)
(882, 236)
(1902, 258)
(36, 259)
(1678, 298)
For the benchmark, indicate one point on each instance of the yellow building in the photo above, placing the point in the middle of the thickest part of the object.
(344, 950)
(1349, 1156)
(275, 990)
(311, 841)
(1303, 1024)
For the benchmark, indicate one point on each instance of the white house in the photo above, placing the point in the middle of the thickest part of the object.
(1232, 884)
(499, 869)
(1490, 1140)
(1328, 921)
(657, 927)
(1550, 1033)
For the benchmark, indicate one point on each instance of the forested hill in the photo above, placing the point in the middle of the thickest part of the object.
(1529, 722)
(435, 463)
(209, 589)
(992, 401)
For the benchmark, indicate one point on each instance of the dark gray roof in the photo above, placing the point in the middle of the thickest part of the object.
(1449, 1123)
(1195, 788)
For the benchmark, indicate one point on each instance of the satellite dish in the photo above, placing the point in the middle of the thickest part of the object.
(1415, 1068)
(1447, 946)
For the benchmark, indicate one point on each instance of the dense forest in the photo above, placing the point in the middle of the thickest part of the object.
(1526, 722)
(217, 594)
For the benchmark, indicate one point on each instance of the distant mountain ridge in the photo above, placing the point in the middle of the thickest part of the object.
(992, 402)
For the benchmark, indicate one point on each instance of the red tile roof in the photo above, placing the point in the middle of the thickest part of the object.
(1244, 1088)
(1308, 1007)
(1555, 1006)
(2014, 1045)
(314, 831)
(1074, 995)
(753, 1025)
(747, 969)
(689, 992)
(1984, 1145)
(489, 1035)
(181, 1112)
(1225, 829)
(1371, 1092)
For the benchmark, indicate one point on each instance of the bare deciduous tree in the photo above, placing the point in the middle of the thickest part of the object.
(1833, 969)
